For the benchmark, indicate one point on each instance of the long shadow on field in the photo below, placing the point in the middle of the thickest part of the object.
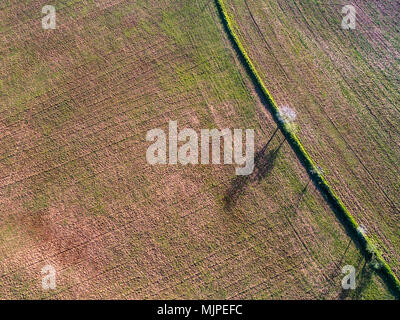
(263, 164)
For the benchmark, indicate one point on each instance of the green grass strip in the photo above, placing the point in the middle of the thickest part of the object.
(350, 224)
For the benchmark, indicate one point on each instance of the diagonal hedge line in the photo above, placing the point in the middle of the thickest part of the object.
(362, 241)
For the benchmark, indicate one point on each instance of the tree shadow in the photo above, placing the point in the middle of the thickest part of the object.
(301, 196)
(263, 164)
(344, 254)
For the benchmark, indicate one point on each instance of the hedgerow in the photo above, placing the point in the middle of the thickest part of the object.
(350, 224)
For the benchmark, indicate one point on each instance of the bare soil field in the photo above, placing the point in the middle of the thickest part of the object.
(77, 193)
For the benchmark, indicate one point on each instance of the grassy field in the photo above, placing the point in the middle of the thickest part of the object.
(76, 191)
(343, 84)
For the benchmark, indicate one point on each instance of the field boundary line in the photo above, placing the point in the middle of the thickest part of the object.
(353, 229)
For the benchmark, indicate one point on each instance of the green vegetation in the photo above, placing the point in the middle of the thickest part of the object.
(351, 225)
(76, 190)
